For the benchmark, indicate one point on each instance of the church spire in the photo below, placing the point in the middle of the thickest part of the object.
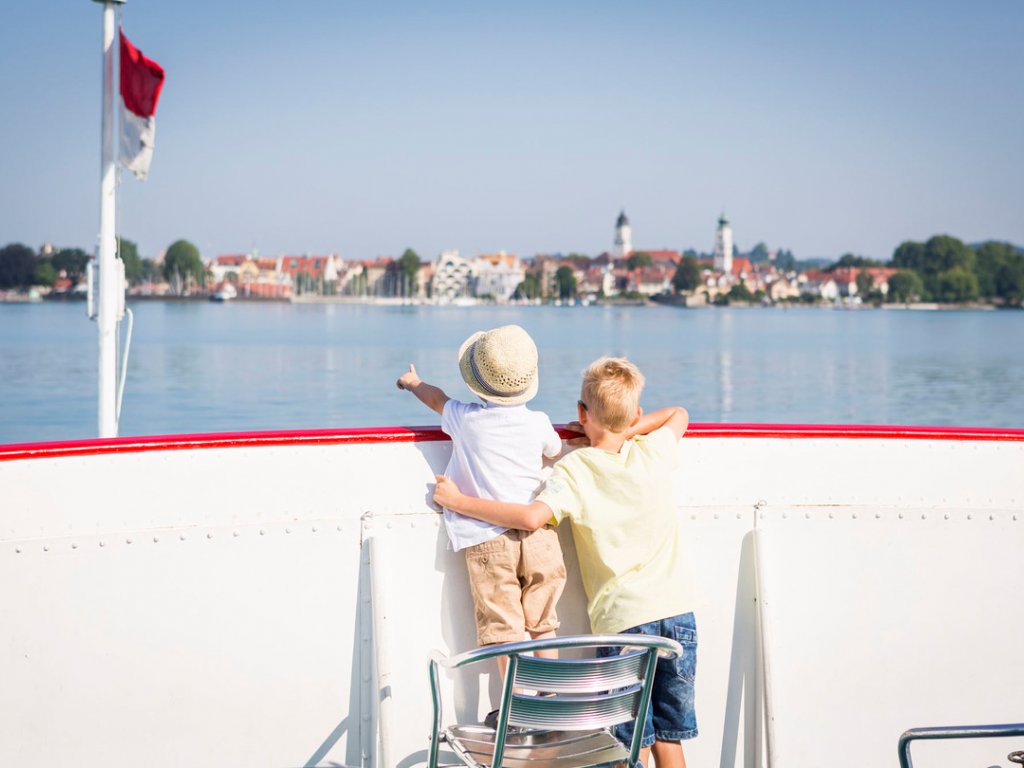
(623, 237)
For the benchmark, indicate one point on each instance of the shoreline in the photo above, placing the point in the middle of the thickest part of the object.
(674, 301)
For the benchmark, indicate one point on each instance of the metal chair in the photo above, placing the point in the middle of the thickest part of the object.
(567, 727)
(960, 732)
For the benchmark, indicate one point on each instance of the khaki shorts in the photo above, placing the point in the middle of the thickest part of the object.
(516, 579)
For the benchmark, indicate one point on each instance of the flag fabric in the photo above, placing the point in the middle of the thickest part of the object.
(141, 81)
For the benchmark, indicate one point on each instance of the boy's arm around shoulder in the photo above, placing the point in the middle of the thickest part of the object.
(675, 418)
(523, 517)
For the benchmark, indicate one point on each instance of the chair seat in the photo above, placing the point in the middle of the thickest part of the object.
(538, 748)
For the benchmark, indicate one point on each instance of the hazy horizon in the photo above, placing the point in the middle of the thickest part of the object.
(336, 127)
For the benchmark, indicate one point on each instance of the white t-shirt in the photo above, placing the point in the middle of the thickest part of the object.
(496, 454)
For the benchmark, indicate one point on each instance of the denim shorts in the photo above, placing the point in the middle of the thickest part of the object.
(671, 716)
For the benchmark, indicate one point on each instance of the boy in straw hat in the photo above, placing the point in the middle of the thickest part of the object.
(618, 494)
(516, 576)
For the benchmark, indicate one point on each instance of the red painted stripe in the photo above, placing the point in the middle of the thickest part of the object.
(359, 436)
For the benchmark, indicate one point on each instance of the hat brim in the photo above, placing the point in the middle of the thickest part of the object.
(466, 369)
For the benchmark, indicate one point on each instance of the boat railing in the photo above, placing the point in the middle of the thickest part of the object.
(959, 732)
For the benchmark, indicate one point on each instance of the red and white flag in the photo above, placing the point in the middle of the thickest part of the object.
(141, 81)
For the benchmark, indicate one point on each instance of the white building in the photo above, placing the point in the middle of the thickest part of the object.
(452, 276)
(497, 275)
(623, 237)
(723, 246)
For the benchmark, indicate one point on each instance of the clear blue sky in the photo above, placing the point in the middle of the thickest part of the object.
(363, 128)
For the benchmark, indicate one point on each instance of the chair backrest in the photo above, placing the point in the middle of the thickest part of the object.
(580, 694)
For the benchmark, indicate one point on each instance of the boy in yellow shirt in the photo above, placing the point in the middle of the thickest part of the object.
(618, 494)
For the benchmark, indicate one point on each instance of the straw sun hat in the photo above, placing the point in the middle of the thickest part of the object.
(500, 365)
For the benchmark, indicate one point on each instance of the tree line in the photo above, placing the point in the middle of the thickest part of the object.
(21, 267)
(946, 270)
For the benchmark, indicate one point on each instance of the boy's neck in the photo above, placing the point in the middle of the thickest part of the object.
(604, 439)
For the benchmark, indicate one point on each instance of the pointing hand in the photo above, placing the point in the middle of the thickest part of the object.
(409, 379)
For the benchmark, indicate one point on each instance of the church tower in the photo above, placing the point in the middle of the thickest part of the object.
(723, 246)
(623, 237)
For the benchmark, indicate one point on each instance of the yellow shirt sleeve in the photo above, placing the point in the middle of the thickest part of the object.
(662, 445)
(560, 494)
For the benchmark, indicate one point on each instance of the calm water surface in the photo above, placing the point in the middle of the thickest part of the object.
(198, 367)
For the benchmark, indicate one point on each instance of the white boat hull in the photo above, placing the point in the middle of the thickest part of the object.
(210, 601)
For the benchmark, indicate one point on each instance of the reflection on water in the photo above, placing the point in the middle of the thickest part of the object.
(725, 384)
(209, 367)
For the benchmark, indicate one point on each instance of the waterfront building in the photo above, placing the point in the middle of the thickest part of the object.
(311, 274)
(661, 255)
(848, 279)
(253, 277)
(819, 285)
(723, 246)
(497, 274)
(546, 267)
(597, 280)
(782, 287)
(452, 275)
(623, 245)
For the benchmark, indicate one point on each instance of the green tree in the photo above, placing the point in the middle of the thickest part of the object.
(740, 292)
(129, 254)
(759, 253)
(687, 276)
(905, 286)
(565, 283)
(864, 283)
(909, 255)
(942, 253)
(638, 260)
(939, 255)
(17, 266)
(958, 285)
(149, 270)
(45, 274)
(993, 260)
(851, 260)
(529, 288)
(71, 261)
(1010, 280)
(181, 261)
(409, 264)
(785, 260)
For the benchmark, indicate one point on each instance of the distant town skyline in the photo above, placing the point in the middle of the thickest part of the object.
(325, 127)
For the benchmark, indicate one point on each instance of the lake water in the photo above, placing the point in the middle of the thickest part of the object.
(200, 367)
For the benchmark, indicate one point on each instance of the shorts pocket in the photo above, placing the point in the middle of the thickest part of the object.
(686, 665)
(480, 551)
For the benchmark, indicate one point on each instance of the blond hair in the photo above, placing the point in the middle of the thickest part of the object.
(611, 391)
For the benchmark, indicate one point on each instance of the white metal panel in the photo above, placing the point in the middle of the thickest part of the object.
(426, 591)
(855, 472)
(882, 619)
(181, 646)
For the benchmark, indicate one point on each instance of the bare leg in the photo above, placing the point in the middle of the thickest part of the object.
(668, 754)
(547, 653)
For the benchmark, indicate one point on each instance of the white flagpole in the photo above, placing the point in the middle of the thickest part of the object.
(107, 279)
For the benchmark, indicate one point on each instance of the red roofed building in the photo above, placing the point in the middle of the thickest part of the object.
(741, 267)
(846, 279)
(315, 267)
(660, 255)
